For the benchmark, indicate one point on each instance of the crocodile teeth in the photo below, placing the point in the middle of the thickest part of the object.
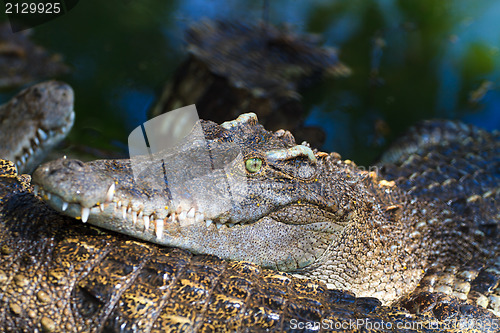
(208, 222)
(102, 207)
(30, 151)
(190, 213)
(110, 193)
(146, 222)
(199, 217)
(171, 218)
(37, 142)
(64, 206)
(182, 216)
(124, 212)
(134, 218)
(159, 229)
(85, 214)
(218, 225)
(23, 159)
(36, 189)
(230, 225)
(42, 134)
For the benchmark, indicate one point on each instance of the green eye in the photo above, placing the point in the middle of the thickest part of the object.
(253, 164)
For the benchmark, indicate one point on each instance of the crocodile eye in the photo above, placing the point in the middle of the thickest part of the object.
(253, 164)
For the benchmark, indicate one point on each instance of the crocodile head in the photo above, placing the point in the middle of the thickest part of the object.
(34, 121)
(292, 208)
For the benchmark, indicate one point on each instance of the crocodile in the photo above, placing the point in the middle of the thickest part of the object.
(314, 215)
(34, 121)
(234, 66)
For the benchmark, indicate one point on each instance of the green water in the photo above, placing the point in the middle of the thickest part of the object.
(411, 60)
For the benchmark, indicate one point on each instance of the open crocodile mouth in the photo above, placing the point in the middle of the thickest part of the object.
(41, 141)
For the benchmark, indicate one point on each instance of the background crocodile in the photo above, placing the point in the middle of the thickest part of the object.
(357, 231)
(34, 121)
(60, 276)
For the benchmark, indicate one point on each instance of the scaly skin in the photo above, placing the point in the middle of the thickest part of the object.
(61, 276)
(303, 211)
(34, 121)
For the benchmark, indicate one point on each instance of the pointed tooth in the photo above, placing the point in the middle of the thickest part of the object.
(230, 225)
(199, 217)
(85, 214)
(208, 222)
(190, 213)
(124, 212)
(110, 193)
(30, 151)
(218, 225)
(48, 195)
(171, 218)
(23, 159)
(102, 207)
(134, 217)
(64, 206)
(140, 214)
(159, 229)
(119, 203)
(36, 188)
(146, 222)
(35, 139)
(182, 215)
(42, 134)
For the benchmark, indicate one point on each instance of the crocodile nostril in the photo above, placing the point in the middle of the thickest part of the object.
(54, 171)
(75, 165)
(37, 93)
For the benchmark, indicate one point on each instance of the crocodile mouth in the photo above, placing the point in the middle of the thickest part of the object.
(42, 140)
(153, 223)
